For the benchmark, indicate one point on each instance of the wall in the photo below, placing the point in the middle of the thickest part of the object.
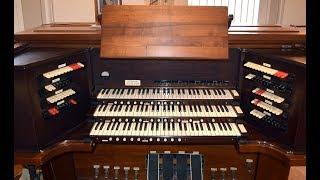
(18, 16)
(31, 10)
(294, 12)
(73, 11)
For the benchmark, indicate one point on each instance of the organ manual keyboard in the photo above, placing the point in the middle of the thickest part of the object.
(148, 106)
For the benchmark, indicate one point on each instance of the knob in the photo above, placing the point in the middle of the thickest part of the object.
(213, 173)
(106, 171)
(96, 171)
(172, 140)
(117, 139)
(165, 139)
(249, 163)
(233, 172)
(136, 172)
(223, 173)
(116, 172)
(150, 139)
(110, 138)
(131, 139)
(158, 139)
(126, 172)
(138, 139)
(179, 139)
(124, 139)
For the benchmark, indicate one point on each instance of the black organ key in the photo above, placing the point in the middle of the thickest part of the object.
(120, 107)
(158, 108)
(208, 91)
(222, 91)
(157, 126)
(201, 127)
(140, 126)
(195, 108)
(219, 92)
(210, 107)
(158, 91)
(189, 91)
(183, 91)
(102, 125)
(173, 127)
(199, 108)
(190, 108)
(179, 107)
(218, 109)
(136, 127)
(185, 126)
(104, 108)
(206, 108)
(129, 126)
(204, 91)
(126, 109)
(124, 126)
(169, 126)
(132, 91)
(109, 125)
(152, 126)
(213, 127)
(96, 127)
(128, 92)
(224, 126)
(198, 92)
(215, 92)
(196, 125)
(209, 128)
(226, 108)
(113, 91)
(184, 108)
(220, 127)
(145, 126)
(192, 128)
(122, 91)
(117, 127)
(147, 91)
(221, 107)
(180, 126)
(229, 127)
(131, 107)
(179, 91)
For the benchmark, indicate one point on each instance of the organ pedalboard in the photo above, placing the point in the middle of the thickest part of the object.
(273, 81)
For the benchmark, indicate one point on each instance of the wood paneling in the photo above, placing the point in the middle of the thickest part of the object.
(164, 32)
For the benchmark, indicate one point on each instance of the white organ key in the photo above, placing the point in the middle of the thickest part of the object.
(92, 132)
(238, 109)
(217, 129)
(235, 129)
(228, 94)
(235, 93)
(95, 114)
(100, 132)
(242, 128)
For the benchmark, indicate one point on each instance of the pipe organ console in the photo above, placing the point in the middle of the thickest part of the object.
(149, 106)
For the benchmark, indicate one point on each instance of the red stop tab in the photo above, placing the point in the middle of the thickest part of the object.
(72, 101)
(281, 74)
(74, 66)
(260, 91)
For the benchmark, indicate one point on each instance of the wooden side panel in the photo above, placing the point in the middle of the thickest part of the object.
(164, 32)
(270, 168)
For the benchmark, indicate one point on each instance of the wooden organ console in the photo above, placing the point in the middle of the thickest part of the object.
(121, 111)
